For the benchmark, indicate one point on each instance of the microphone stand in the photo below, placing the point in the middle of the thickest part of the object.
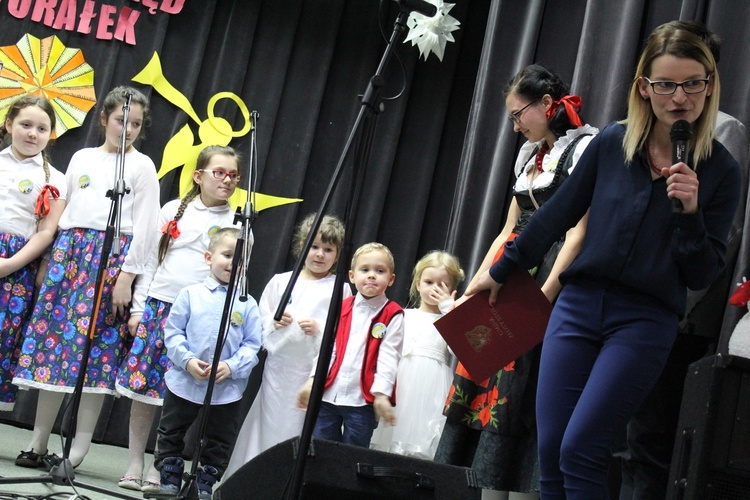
(63, 473)
(248, 213)
(237, 277)
(363, 131)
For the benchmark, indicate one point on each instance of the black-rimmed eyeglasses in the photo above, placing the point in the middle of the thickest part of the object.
(695, 86)
(515, 117)
(223, 174)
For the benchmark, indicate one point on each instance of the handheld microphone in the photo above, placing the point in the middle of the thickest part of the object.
(419, 6)
(680, 136)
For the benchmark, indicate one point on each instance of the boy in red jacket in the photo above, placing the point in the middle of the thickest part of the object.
(360, 385)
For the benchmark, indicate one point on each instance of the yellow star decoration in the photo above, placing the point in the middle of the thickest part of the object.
(181, 148)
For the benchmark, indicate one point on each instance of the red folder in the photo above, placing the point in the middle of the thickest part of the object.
(485, 339)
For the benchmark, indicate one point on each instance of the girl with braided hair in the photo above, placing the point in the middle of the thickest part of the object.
(177, 261)
(32, 197)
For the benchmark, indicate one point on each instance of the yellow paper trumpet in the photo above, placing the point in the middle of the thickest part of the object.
(181, 149)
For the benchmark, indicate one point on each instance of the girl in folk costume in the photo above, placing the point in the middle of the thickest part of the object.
(490, 424)
(51, 348)
(292, 343)
(32, 197)
(424, 372)
(177, 261)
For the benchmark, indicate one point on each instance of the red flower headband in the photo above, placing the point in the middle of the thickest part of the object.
(572, 104)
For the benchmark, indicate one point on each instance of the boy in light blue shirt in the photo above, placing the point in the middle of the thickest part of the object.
(190, 337)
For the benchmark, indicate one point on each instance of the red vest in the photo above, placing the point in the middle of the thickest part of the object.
(372, 346)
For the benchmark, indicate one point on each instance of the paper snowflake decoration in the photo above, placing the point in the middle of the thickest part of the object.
(430, 34)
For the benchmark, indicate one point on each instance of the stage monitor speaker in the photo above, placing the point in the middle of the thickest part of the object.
(711, 457)
(335, 470)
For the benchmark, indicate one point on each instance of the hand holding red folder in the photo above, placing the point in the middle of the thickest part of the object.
(486, 338)
(485, 282)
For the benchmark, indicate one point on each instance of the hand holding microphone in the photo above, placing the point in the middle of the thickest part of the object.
(680, 179)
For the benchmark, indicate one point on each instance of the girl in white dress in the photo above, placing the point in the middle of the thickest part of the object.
(292, 343)
(425, 371)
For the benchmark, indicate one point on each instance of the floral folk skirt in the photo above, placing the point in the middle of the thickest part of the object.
(141, 375)
(491, 425)
(54, 342)
(16, 296)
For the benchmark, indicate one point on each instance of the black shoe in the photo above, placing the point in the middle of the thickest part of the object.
(207, 477)
(171, 476)
(50, 460)
(29, 459)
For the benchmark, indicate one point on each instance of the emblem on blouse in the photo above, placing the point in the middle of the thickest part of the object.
(236, 319)
(378, 330)
(478, 337)
(84, 181)
(212, 230)
(25, 186)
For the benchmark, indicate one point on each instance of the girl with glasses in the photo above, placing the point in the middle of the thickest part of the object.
(176, 262)
(616, 318)
(490, 436)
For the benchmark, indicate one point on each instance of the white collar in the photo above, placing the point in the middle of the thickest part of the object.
(373, 303)
(199, 205)
(37, 159)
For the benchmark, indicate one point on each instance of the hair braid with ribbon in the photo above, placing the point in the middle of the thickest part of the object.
(170, 230)
(42, 201)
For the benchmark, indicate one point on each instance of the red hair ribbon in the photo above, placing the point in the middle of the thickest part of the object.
(572, 104)
(741, 296)
(42, 201)
(170, 228)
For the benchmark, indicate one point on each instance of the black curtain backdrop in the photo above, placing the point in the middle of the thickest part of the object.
(442, 158)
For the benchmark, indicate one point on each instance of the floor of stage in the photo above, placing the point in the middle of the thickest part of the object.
(102, 468)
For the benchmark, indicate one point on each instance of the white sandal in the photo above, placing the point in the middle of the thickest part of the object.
(130, 482)
(151, 486)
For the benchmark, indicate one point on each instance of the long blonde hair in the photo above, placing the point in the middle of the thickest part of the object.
(668, 40)
(436, 259)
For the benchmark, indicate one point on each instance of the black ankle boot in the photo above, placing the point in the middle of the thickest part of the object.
(207, 477)
(171, 475)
